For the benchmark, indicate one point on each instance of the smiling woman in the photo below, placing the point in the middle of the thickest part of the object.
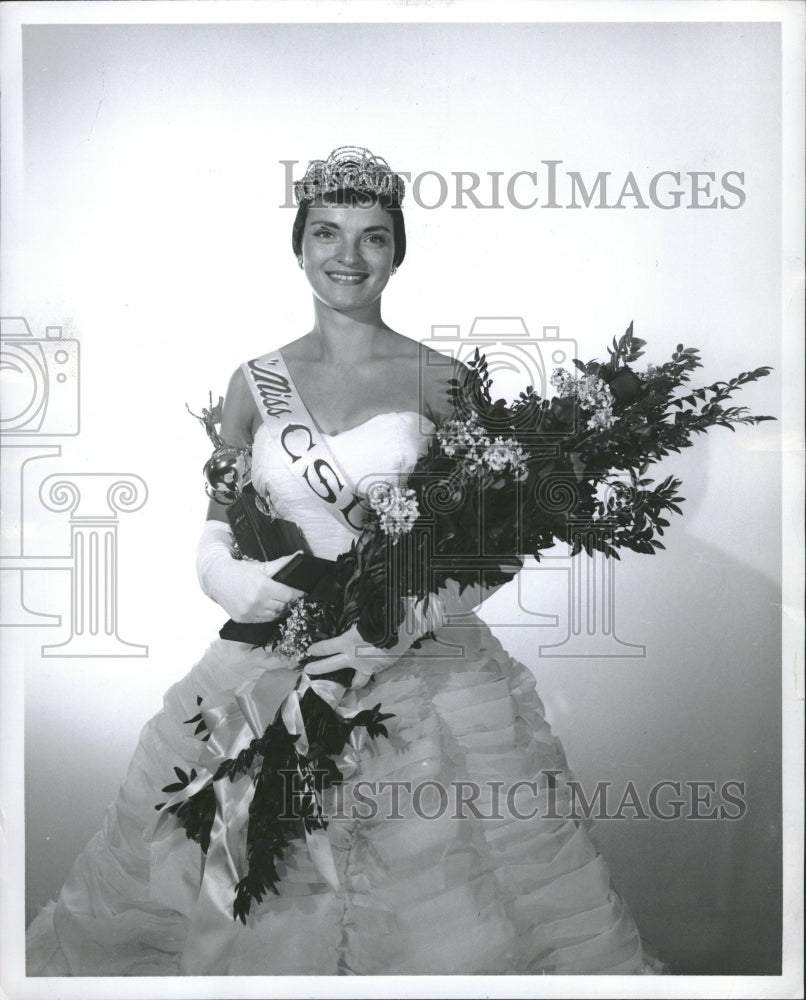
(404, 887)
(347, 254)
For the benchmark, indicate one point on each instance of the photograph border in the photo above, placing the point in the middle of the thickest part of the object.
(792, 18)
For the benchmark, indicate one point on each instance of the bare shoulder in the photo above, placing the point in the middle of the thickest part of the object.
(442, 365)
(439, 374)
(240, 415)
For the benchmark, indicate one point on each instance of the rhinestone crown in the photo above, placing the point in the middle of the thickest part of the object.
(350, 167)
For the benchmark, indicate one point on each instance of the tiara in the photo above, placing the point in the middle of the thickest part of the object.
(350, 167)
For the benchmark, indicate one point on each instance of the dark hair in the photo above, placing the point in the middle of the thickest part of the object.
(352, 197)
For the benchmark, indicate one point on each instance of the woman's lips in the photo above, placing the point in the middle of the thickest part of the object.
(346, 277)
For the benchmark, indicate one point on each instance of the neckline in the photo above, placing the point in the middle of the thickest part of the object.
(363, 423)
(355, 427)
(376, 416)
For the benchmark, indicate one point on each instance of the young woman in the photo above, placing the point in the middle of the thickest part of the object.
(450, 852)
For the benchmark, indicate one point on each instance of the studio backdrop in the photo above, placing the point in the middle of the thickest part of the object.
(565, 180)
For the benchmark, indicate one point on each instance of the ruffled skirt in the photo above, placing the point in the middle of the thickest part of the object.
(453, 850)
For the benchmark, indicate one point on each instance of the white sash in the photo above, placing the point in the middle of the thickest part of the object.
(300, 442)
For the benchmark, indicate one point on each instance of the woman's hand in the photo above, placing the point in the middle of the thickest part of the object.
(249, 594)
(350, 650)
(242, 587)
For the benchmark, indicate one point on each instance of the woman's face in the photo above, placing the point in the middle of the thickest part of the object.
(347, 254)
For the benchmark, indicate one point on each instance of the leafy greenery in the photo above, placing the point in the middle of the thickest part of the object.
(585, 484)
(288, 786)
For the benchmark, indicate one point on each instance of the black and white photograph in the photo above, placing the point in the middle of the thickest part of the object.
(402, 489)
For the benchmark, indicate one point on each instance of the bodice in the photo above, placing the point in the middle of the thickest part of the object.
(385, 447)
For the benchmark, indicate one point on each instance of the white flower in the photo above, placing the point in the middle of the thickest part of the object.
(564, 382)
(396, 508)
(593, 394)
(468, 442)
(380, 496)
(601, 420)
(296, 631)
(504, 454)
(458, 437)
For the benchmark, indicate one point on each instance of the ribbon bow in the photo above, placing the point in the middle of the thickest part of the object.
(233, 725)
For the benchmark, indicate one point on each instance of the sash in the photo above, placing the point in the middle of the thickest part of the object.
(300, 441)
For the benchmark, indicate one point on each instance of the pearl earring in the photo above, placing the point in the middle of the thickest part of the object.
(299, 259)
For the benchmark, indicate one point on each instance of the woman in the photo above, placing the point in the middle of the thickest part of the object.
(498, 882)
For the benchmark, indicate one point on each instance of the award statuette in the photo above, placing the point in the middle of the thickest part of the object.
(262, 536)
(258, 533)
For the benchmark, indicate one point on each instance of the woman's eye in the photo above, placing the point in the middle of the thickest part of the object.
(376, 239)
(325, 233)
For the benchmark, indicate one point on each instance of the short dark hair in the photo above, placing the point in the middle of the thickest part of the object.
(352, 197)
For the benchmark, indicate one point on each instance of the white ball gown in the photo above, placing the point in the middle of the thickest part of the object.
(444, 895)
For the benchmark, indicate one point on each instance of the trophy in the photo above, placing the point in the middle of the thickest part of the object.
(259, 534)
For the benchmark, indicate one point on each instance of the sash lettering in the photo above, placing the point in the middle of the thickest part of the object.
(287, 431)
(273, 388)
(319, 464)
(359, 514)
(300, 441)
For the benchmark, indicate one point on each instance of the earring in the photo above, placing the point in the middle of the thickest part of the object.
(393, 271)
(299, 259)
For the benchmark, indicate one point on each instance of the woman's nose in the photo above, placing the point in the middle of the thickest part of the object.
(350, 252)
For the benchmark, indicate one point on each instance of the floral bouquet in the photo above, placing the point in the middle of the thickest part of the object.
(502, 481)
(499, 481)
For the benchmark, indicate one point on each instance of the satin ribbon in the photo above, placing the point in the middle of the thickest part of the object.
(233, 724)
(291, 713)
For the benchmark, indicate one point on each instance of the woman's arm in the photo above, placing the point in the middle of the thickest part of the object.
(447, 602)
(238, 421)
(350, 649)
(244, 588)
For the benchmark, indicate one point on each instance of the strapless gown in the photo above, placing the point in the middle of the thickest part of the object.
(485, 893)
